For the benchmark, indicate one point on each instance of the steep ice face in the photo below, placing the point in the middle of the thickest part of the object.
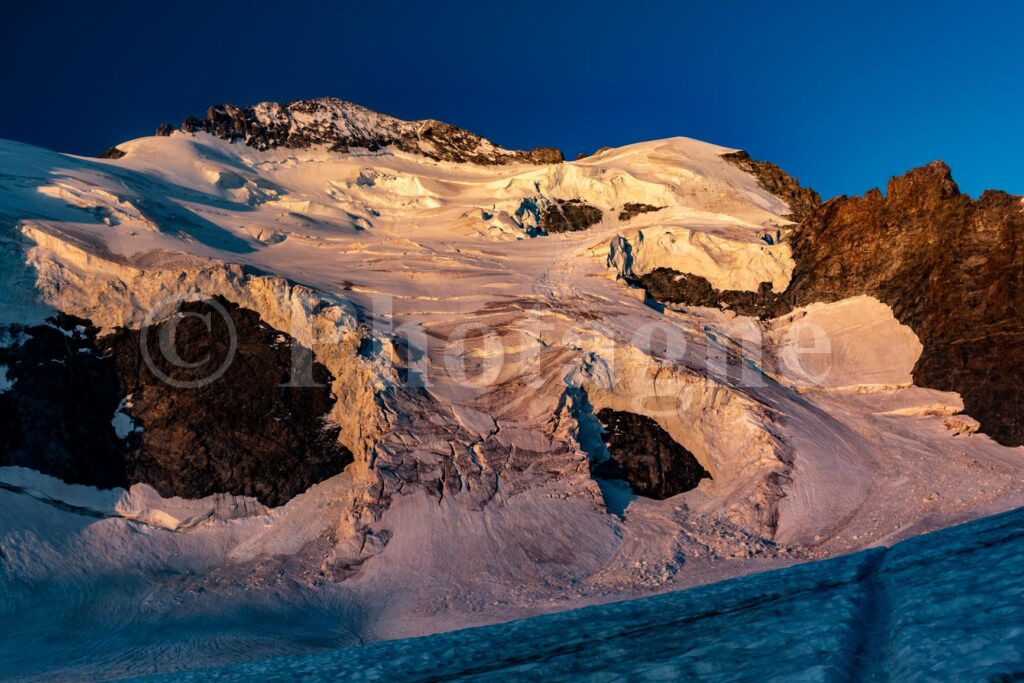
(727, 263)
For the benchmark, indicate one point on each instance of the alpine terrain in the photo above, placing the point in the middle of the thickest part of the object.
(297, 377)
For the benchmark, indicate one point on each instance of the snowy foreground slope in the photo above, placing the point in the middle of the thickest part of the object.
(943, 606)
(478, 330)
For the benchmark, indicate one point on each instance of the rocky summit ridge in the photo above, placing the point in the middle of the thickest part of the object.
(343, 126)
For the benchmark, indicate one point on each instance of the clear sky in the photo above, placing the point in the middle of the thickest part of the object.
(841, 94)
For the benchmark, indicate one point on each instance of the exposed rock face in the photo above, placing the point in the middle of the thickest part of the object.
(801, 200)
(343, 125)
(56, 415)
(118, 423)
(164, 130)
(111, 153)
(569, 215)
(645, 455)
(951, 268)
(631, 209)
(246, 432)
(666, 285)
(546, 155)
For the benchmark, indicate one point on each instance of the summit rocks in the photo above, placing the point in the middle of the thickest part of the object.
(343, 125)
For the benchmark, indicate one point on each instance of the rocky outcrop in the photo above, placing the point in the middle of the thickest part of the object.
(342, 125)
(195, 405)
(247, 432)
(58, 403)
(112, 153)
(666, 285)
(951, 268)
(801, 200)
(568, 215)
(545, 155)
(646, 456)
(632, 209)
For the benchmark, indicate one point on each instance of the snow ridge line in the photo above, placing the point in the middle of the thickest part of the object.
(59, 504)
(86, 511)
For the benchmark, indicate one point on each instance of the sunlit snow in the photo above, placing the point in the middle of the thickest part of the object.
(469, 351)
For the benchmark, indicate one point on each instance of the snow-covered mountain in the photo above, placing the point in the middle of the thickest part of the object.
(342, 126)
(299, 376)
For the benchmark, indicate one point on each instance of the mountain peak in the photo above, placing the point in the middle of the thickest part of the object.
(343, 125)
(931, 182)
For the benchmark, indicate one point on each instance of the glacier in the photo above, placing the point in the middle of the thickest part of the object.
(943, 606)
(471, 350)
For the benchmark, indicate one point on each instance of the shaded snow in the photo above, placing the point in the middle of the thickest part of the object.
(10, 338)
(123, 423)
(943, 606)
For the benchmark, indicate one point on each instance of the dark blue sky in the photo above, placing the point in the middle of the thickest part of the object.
(841, 94)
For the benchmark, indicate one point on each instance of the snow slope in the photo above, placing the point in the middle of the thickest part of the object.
(470, 500)
(943, 606)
